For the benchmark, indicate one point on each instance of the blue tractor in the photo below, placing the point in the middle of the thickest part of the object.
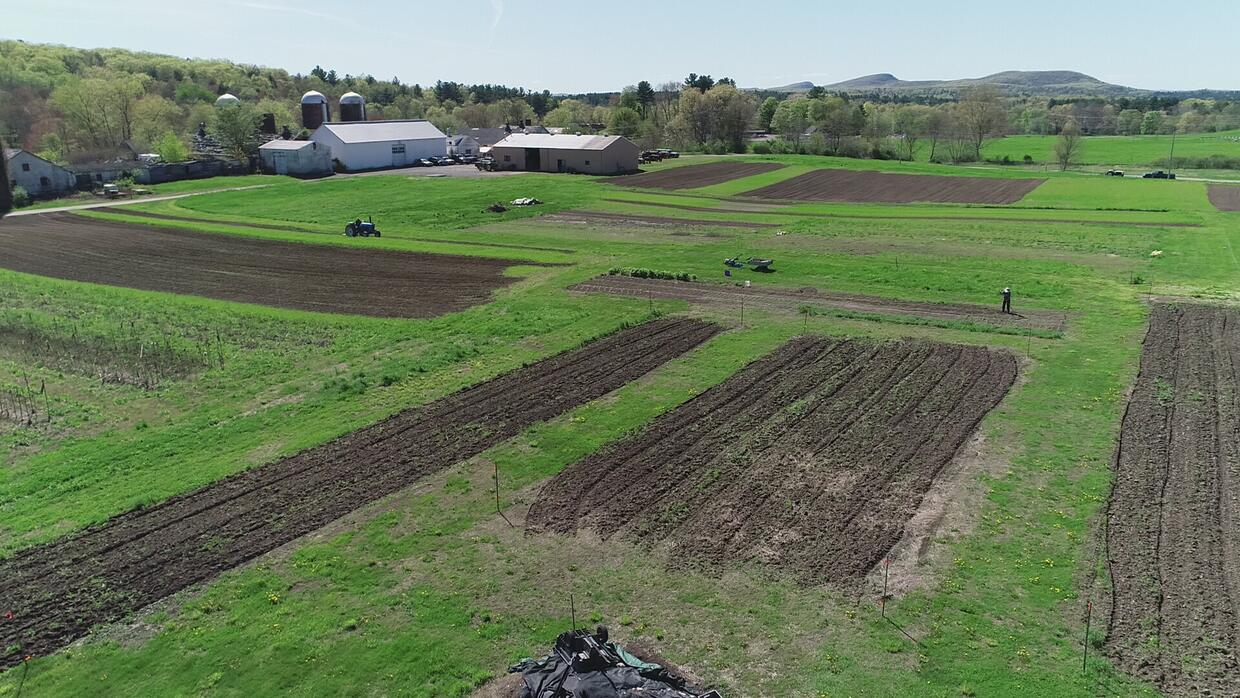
(360, 228)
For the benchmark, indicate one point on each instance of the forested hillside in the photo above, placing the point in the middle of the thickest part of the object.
(71, 104)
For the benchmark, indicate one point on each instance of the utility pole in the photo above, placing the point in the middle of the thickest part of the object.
(1171, 158)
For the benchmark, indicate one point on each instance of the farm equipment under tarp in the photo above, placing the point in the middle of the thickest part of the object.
(757, 263)
(588, 664)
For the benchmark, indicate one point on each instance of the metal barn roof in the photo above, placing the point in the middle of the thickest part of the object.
(285, 145)
(377, 131)
(559, 141)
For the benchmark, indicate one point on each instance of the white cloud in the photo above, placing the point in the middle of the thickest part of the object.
(497, 8)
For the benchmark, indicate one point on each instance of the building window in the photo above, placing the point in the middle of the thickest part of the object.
(398, 148)
(587, 162)
(25, 167)
(44, 182)
(507, 158)
(98, 178)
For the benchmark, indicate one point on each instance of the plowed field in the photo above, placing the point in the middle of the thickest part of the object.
(1173, 523)
(324, 278)
(810, 460)
(693, 176)
(57, 591)
(1225, 197)
(886, 187)
(790, 300)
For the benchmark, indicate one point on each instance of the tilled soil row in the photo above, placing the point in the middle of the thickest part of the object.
(58, 591)
(291, 227)
(810, 460)
(693, 176)
(324, 278)
(887, 187)
(1173, 520)
(776, 210)
(1225, 197)
(636, 219)
(791, 300)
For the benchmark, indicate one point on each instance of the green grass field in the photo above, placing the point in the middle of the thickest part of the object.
(428, 593)
(1122, 151)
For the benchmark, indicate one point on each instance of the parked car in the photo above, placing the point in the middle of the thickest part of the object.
(1114, 173)
(424, 162)
(443, 160)
(467, 159)
(668, 153)
(1158, 174)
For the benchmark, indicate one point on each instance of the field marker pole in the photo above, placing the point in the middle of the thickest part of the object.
(742, 311)
(886, 574)
(1089, 612)
(498, 510)
(572, 609)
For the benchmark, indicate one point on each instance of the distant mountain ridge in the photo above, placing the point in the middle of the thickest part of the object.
(1013, 82)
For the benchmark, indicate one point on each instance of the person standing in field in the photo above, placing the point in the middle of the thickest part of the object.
(1007, 299)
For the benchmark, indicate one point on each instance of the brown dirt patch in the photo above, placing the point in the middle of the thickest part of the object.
(694, 176)
(1225, 197)
(58, 591)
(628, 219)
(809, 461)
(888, 187)
(790, 300)
(1173, 520)
(323, 278)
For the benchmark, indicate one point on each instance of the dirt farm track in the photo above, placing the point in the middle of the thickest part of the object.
(322, 278)
(810, 460)
(1173, 522)
(59, 590)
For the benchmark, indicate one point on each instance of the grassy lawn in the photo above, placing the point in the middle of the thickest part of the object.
(1124, 151)
(428, 593)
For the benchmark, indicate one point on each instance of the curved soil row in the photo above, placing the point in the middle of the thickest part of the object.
(323, 278)
(694, 176)
(640, 220)
(58, 591)
(893, 188)
(810, 460)
(302, 229)
(1173, 520)
(1225, 197)
(791, 300)
(858, 217)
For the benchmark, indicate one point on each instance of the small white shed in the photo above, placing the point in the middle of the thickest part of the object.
(297, 158)
(373, 145)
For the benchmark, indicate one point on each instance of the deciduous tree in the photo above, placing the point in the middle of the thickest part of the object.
(1068, 144)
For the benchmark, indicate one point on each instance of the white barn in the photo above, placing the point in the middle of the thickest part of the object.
(36, 175)
(297, 158)
(373, 145)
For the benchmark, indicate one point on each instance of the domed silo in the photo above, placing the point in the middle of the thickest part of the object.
(314, 110)
(352, 107)
(227, 100)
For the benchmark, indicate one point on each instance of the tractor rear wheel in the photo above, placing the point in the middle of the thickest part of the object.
(349, 231)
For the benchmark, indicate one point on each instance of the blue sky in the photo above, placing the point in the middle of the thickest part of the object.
(577, 46)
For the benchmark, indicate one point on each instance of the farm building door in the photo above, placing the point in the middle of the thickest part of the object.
(398, 155)
(533, 163)
(280, 161)
(559, 165)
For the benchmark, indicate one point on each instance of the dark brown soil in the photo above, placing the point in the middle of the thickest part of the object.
(302, 229)
(58, 591)
(324, 278)
(639, 220)
(694, 176)
(791, 300)
(887, 187)
(848, 216)
(809, 461)
(1225, 197)
(1173, 521)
